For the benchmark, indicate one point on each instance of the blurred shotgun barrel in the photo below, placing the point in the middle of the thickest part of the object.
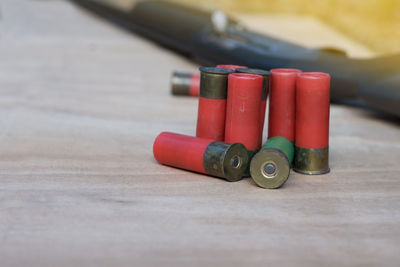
(212, 37)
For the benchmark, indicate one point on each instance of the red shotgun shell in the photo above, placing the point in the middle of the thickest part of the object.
(183, 83)
(243, 110)
(282, 103)
(228, 161)
(212, 103)
(231, 67)
(265, 92)
(194, 89)
(312, 123)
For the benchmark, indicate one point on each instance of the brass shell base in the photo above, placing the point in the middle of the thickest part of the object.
(311, 161)
(228, 161)
(180, 83)
(280, 168)
(214, 82)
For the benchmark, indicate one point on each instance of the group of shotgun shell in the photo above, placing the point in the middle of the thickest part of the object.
(230, 123)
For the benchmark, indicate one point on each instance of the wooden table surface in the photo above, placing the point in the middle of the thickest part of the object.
(80, 105)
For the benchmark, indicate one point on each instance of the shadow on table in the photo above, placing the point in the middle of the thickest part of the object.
(369, 112)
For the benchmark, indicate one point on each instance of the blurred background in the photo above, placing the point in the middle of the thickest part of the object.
(374, 23)
(82, 101)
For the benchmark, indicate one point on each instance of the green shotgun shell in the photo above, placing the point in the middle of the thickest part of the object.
(270, 167)
(229, 161)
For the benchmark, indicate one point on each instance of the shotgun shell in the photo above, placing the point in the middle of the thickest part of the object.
(231, 67)
(264, 96)
(312, 123)
(270, 167)
(183, 83)
(282, 103)
(212, 103)
(243, 110)
(228, 161)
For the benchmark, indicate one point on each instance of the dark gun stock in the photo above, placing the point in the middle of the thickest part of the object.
(210, 38)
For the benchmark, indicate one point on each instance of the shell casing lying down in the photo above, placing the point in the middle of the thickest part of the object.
(228, 161)
(186, 84)
(270, 168)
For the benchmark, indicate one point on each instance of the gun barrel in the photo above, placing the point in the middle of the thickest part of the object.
(193, 33)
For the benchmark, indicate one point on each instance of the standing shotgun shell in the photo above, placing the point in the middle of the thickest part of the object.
(282, 103)
(212, 103)
(265, 92)
(243, 110)
(231, 67)
(228, 161)
(270, 167)
(183, 83)
(312, 123)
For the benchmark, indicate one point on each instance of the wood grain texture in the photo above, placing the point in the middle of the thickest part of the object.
(80, 106)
